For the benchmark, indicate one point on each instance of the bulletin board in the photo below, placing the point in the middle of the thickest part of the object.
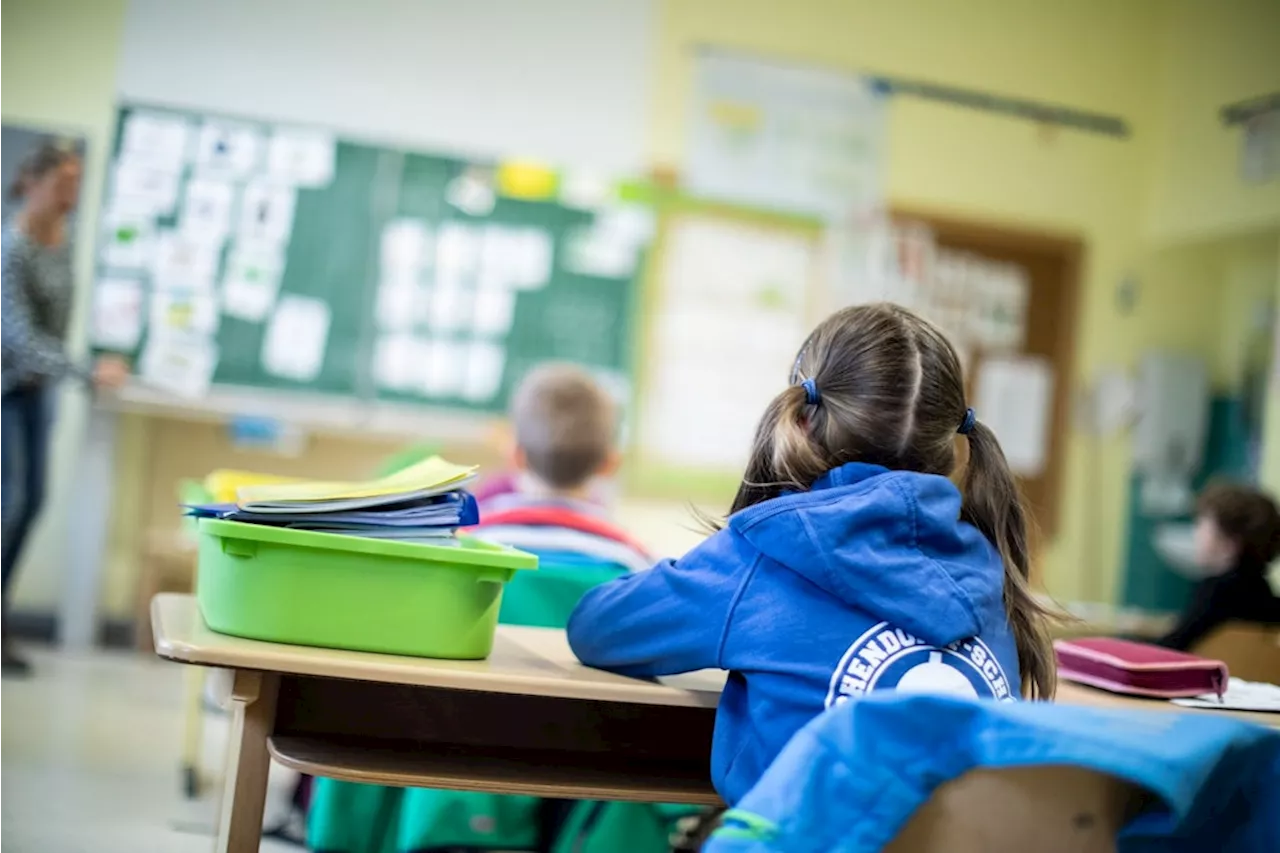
(242, 253)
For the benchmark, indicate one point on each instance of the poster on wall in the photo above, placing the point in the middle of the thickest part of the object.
(724, 284)
(779, 137)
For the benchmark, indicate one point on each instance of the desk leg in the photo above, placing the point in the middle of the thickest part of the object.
(244, 792)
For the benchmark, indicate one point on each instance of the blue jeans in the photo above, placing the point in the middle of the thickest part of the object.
(24, 466)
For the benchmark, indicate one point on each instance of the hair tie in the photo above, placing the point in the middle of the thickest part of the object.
(966, 425)
(811, 395)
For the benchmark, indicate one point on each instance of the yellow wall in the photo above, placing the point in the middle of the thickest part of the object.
(58, 64)
(1212, 54)
(1094, 55)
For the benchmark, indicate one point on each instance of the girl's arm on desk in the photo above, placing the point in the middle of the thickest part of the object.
(672, 618)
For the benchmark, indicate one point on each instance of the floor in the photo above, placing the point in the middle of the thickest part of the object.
(91, 752)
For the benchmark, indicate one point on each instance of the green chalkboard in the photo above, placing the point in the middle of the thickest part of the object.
(442, 280)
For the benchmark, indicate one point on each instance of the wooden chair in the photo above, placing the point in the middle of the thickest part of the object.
(1250, 651)
(1046, 809)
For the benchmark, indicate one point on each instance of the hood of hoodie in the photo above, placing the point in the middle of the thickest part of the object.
(890, 543)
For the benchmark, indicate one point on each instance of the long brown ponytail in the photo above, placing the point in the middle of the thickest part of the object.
(993, 505)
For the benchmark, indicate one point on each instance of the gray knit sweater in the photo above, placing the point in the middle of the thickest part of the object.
(36, 308)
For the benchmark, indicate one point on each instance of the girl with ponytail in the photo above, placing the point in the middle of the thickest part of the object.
(851, 560)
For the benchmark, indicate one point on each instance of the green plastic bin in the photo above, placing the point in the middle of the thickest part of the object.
(350, 592)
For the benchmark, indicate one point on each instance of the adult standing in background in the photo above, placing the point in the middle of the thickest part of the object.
(37, 293)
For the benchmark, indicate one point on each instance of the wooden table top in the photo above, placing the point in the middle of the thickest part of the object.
(530, 661)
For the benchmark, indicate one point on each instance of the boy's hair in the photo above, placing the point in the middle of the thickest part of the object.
(892, 394)
(1245, 515)
(564, 423)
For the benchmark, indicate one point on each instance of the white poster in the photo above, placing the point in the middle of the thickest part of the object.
(142, 188)
(458, 252)
(494, 312)
(155, 140)
(731, 318)
(183, 314)
(449, 308)
(400, 307)
(181, 263)
(227, 150)
(180, 366)
(485, 361)
(406, 250)
(206, 210)
(1014, 398)
(296, 338)
(444, 372)
(515, 257)
(304, 158)
(785, 137)
(128, 241)
(252, 280)
(400, 362)
(117, 314)
(266, 212)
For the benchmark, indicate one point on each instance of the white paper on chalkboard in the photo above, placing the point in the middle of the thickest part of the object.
(1014, 398)
(266, 212)
(400, 362)
(296, 338)
(117, 314)
(301, 157)
(227, 150)
(252, 280)
(178, 313)
(449, 309)
(128, 241)
(494, 312)
(182, 366)
(443, 374)
(458, 251)
(206, 210)
(158, 141)
(140, 187)
(406, 250)
(181, 263)
(485, 361)
(400, 307)
(515, 257)
(605, 254)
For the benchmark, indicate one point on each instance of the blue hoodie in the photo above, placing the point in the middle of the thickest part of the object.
(867, 581)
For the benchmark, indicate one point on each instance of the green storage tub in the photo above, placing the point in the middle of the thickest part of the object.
(350, 592)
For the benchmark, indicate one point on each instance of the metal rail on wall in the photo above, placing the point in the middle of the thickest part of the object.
(976, 99)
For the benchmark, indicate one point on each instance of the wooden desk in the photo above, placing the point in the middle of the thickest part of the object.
(529, 720)
(1079, 694)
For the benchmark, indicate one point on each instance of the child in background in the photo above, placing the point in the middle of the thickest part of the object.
(850, 562)
(1237, 536)
(565, 429)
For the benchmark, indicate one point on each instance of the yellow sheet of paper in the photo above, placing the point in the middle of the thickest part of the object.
(430, 473)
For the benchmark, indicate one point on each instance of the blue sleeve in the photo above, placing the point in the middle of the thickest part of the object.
(668, 619)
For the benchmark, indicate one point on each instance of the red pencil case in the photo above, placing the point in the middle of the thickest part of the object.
(1138, 669)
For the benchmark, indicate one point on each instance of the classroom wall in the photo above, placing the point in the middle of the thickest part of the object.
(57, 63)
(565, 81)
(1095, 55)
(1211, 54)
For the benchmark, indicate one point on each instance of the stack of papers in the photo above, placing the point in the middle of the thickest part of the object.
(425, 502)
(1241, 695)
